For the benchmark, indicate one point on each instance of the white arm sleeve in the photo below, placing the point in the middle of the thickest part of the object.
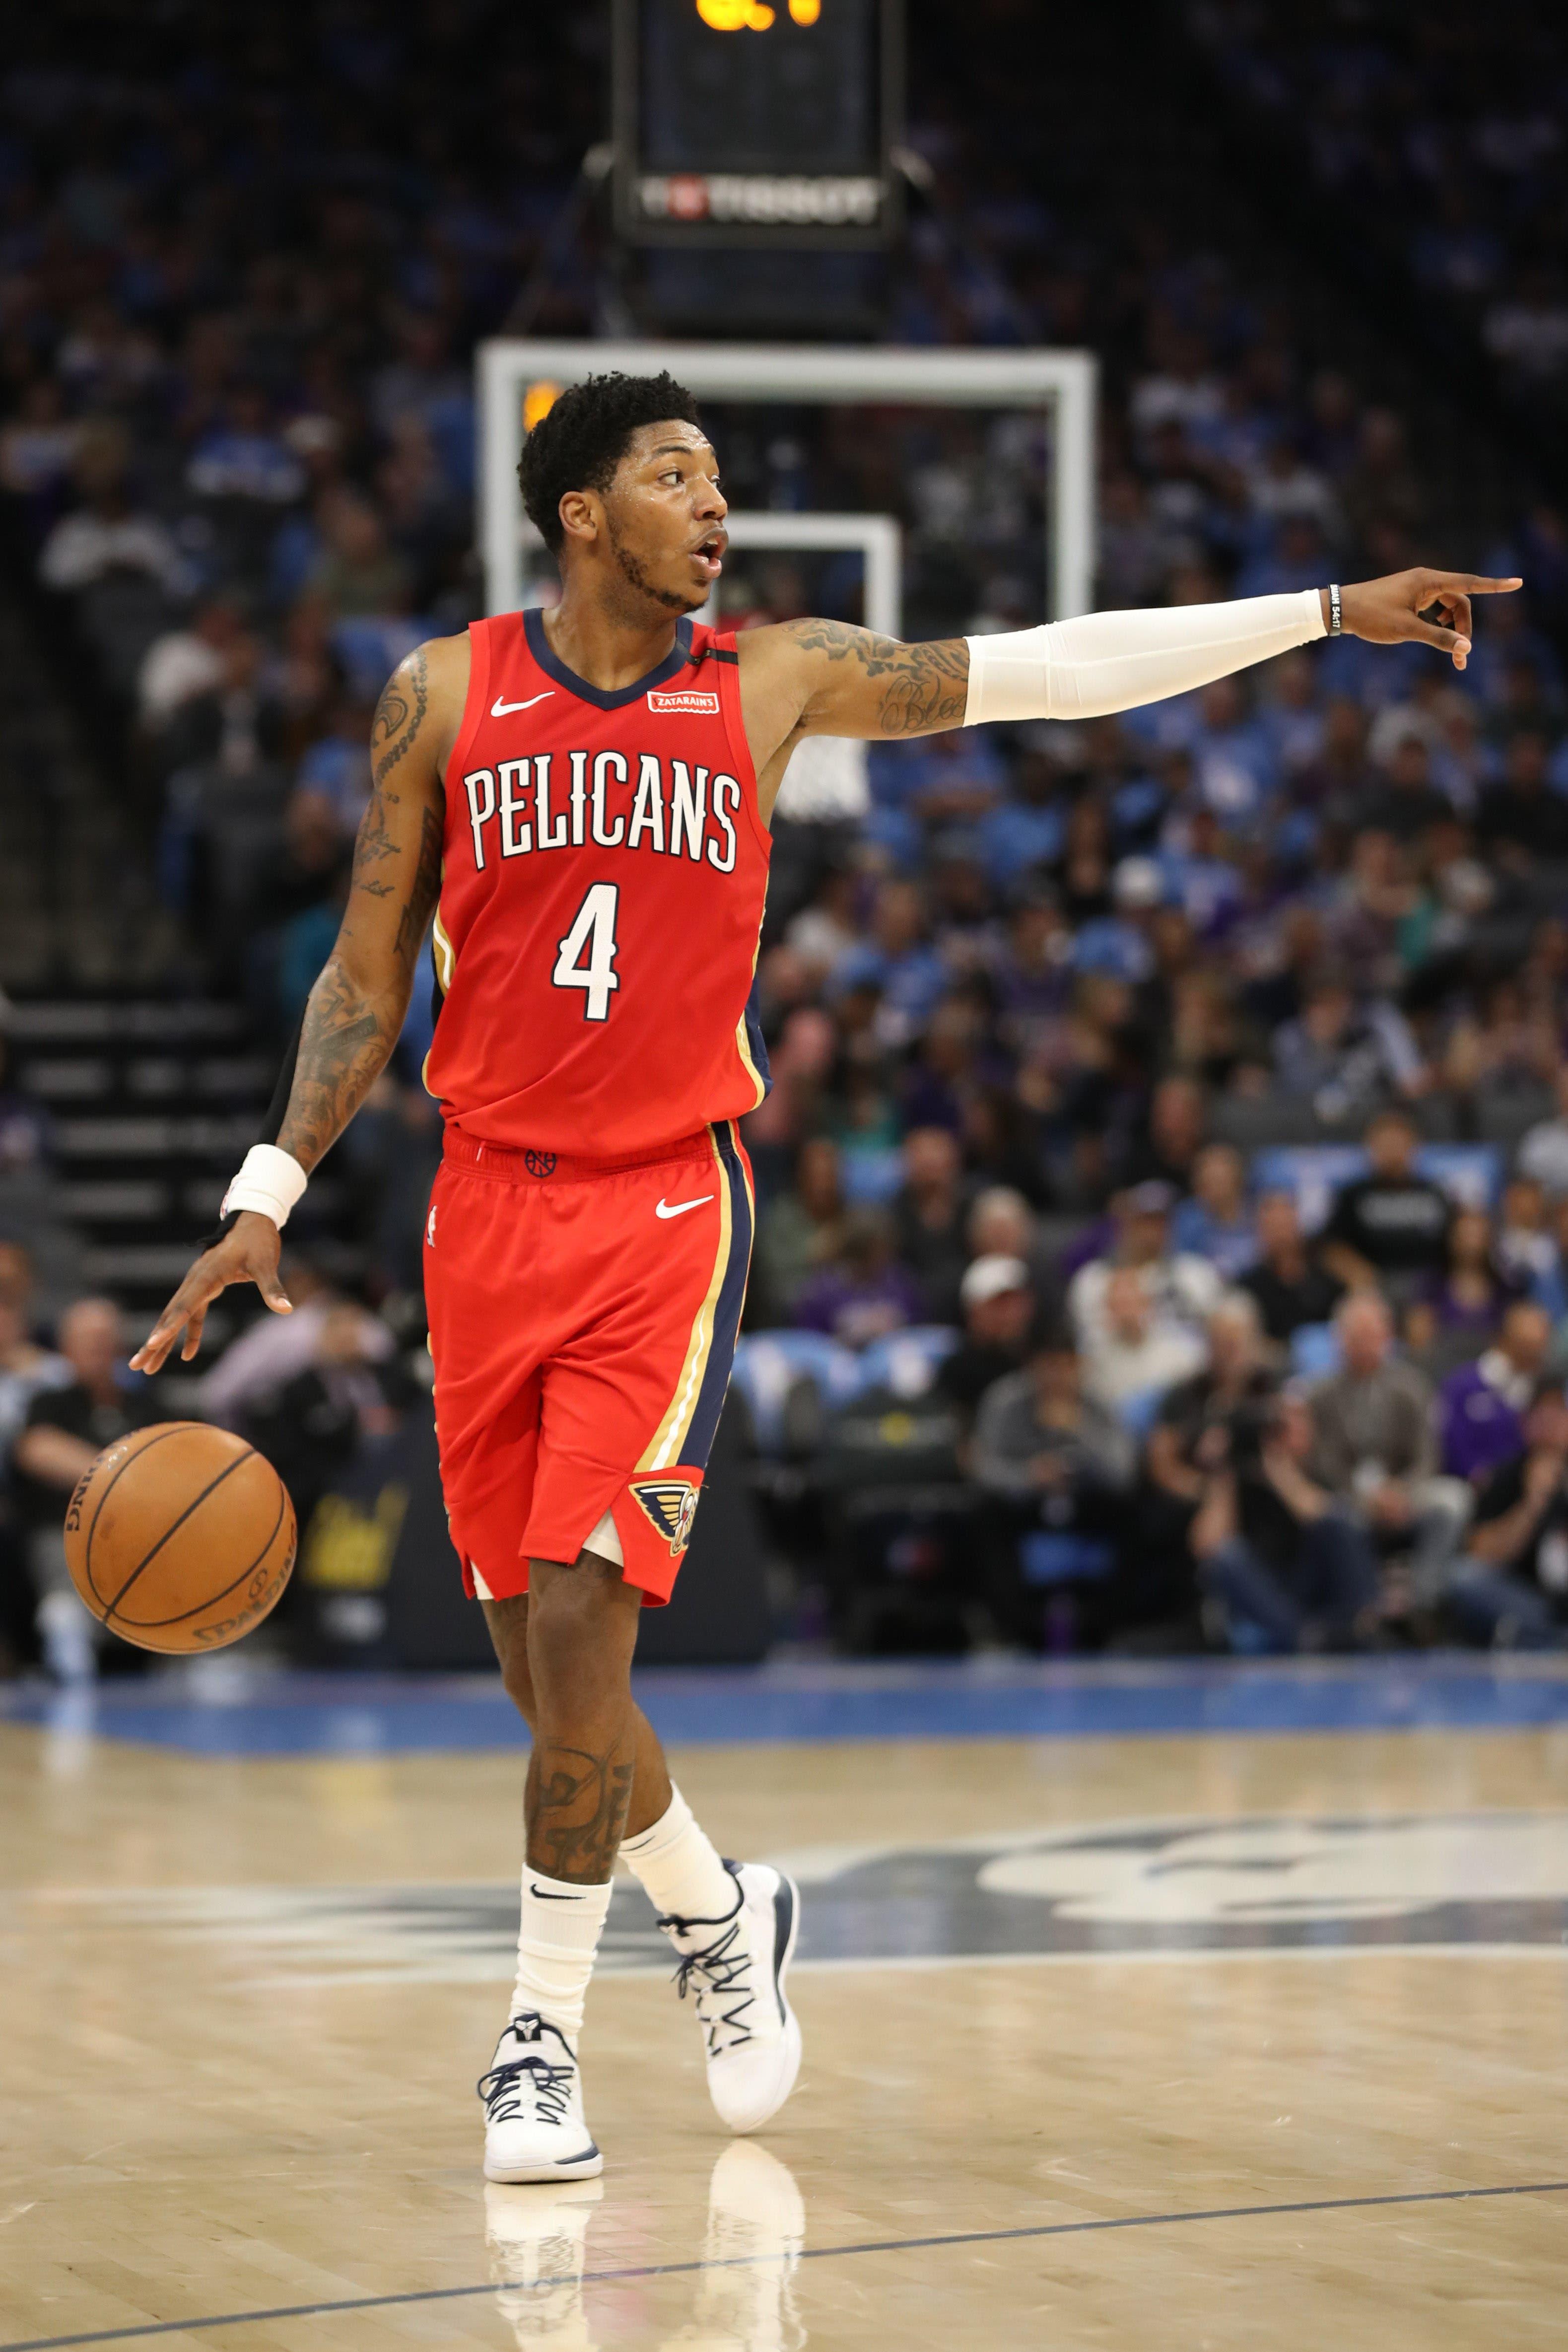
(1114, 661)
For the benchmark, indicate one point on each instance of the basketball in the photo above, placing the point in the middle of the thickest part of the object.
(180, 1537)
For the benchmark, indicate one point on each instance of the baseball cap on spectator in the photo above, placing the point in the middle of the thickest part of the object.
(988, 1278)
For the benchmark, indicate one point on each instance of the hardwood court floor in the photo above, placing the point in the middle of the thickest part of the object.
(1257, 2011)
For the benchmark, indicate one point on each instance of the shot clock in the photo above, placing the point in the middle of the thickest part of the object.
(757, 121)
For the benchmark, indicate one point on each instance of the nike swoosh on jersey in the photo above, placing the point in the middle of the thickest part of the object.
(499, 710)
(664, 1208)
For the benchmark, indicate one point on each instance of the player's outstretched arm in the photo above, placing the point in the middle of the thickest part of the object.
(356, 1008)
(824, 677)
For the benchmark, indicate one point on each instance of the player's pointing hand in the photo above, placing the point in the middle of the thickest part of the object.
(1390, 611)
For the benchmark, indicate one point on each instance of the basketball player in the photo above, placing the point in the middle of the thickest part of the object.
(580, 797)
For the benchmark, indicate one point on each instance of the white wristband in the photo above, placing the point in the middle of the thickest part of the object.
(1103, 662)
(271, 1181)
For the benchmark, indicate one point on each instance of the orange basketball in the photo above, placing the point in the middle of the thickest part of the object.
(181, 1537)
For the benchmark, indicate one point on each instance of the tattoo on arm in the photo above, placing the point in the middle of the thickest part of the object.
(926, 686)
(576, 1805)
(345, 1041)
(420, 905)
(400, 715)
(351, 1026)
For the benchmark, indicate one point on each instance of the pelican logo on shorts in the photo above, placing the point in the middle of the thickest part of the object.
(684, 698)
(539, 1163)
(672, 1505)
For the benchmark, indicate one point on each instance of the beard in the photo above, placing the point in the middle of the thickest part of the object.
(636, 577)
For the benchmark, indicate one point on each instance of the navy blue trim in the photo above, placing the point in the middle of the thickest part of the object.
(699, 1435)
(756, 1042)
(678, 658)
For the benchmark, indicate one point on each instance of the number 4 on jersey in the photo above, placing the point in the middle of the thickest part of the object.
(594, 928)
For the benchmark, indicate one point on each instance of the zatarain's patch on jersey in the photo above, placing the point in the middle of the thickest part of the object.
(689, 697)
(672, 1505)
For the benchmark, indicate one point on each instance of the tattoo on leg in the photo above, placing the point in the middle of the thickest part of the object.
(576, 1806)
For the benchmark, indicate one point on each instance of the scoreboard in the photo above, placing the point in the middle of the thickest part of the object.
(757, 121)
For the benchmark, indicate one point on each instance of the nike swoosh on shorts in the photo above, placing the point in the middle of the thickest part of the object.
(663, 1208)
(499, 710)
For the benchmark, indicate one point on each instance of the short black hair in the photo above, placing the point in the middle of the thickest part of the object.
(578, 443)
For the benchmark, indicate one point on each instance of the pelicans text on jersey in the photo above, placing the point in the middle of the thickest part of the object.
(603, 882)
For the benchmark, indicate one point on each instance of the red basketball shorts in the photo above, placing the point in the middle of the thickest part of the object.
(583, 1323)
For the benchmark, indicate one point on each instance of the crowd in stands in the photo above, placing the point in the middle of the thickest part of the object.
(1446, 139)
(1044, 1021)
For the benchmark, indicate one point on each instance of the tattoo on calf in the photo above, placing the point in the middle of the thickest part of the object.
(927, 684)
(576, 1805)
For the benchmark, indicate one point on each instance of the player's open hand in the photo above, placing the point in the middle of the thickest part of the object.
(248, 1254)
(1390, 611)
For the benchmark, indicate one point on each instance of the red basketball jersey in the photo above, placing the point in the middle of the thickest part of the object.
(602, 890)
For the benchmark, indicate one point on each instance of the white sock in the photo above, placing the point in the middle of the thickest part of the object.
(680, 1866)
(557, 1940)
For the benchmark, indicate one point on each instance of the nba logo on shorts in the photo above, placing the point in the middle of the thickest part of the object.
(672, 1505)
(430, 1228)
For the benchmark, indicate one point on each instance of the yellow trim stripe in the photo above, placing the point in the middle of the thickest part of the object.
(441, 948)
(671, 1430)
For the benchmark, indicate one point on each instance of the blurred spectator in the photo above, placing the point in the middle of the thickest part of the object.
(862, 1292)
(1526, 1246)
(1392, 1222)
(1289, 1284)
(1132, 1355)
(801, 1231)
(106, 533)
(1482, 1405)
(274, 1348)
(999, 1308)
(66, 1425)
(1181, 1290)
(1340, 1055)
(1521, 819)
(353, 1389)
(1459, 1310)
(929, 1213)
(1175, 1135)
(1291, 1572)
(186, 660)
(1213, 1223)
(1544, 1150)
(1511, 1590)
(1060, 1467)
(1375, 1450)
(1202, 1419)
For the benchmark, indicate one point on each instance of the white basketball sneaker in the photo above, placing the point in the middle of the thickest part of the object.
(734, 1967)
(534, 2127)
(538, 2240)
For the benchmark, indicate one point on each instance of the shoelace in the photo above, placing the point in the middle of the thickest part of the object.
(717, 1975)
(504, 2096)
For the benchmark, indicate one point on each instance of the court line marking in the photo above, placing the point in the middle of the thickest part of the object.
(806, 2254)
